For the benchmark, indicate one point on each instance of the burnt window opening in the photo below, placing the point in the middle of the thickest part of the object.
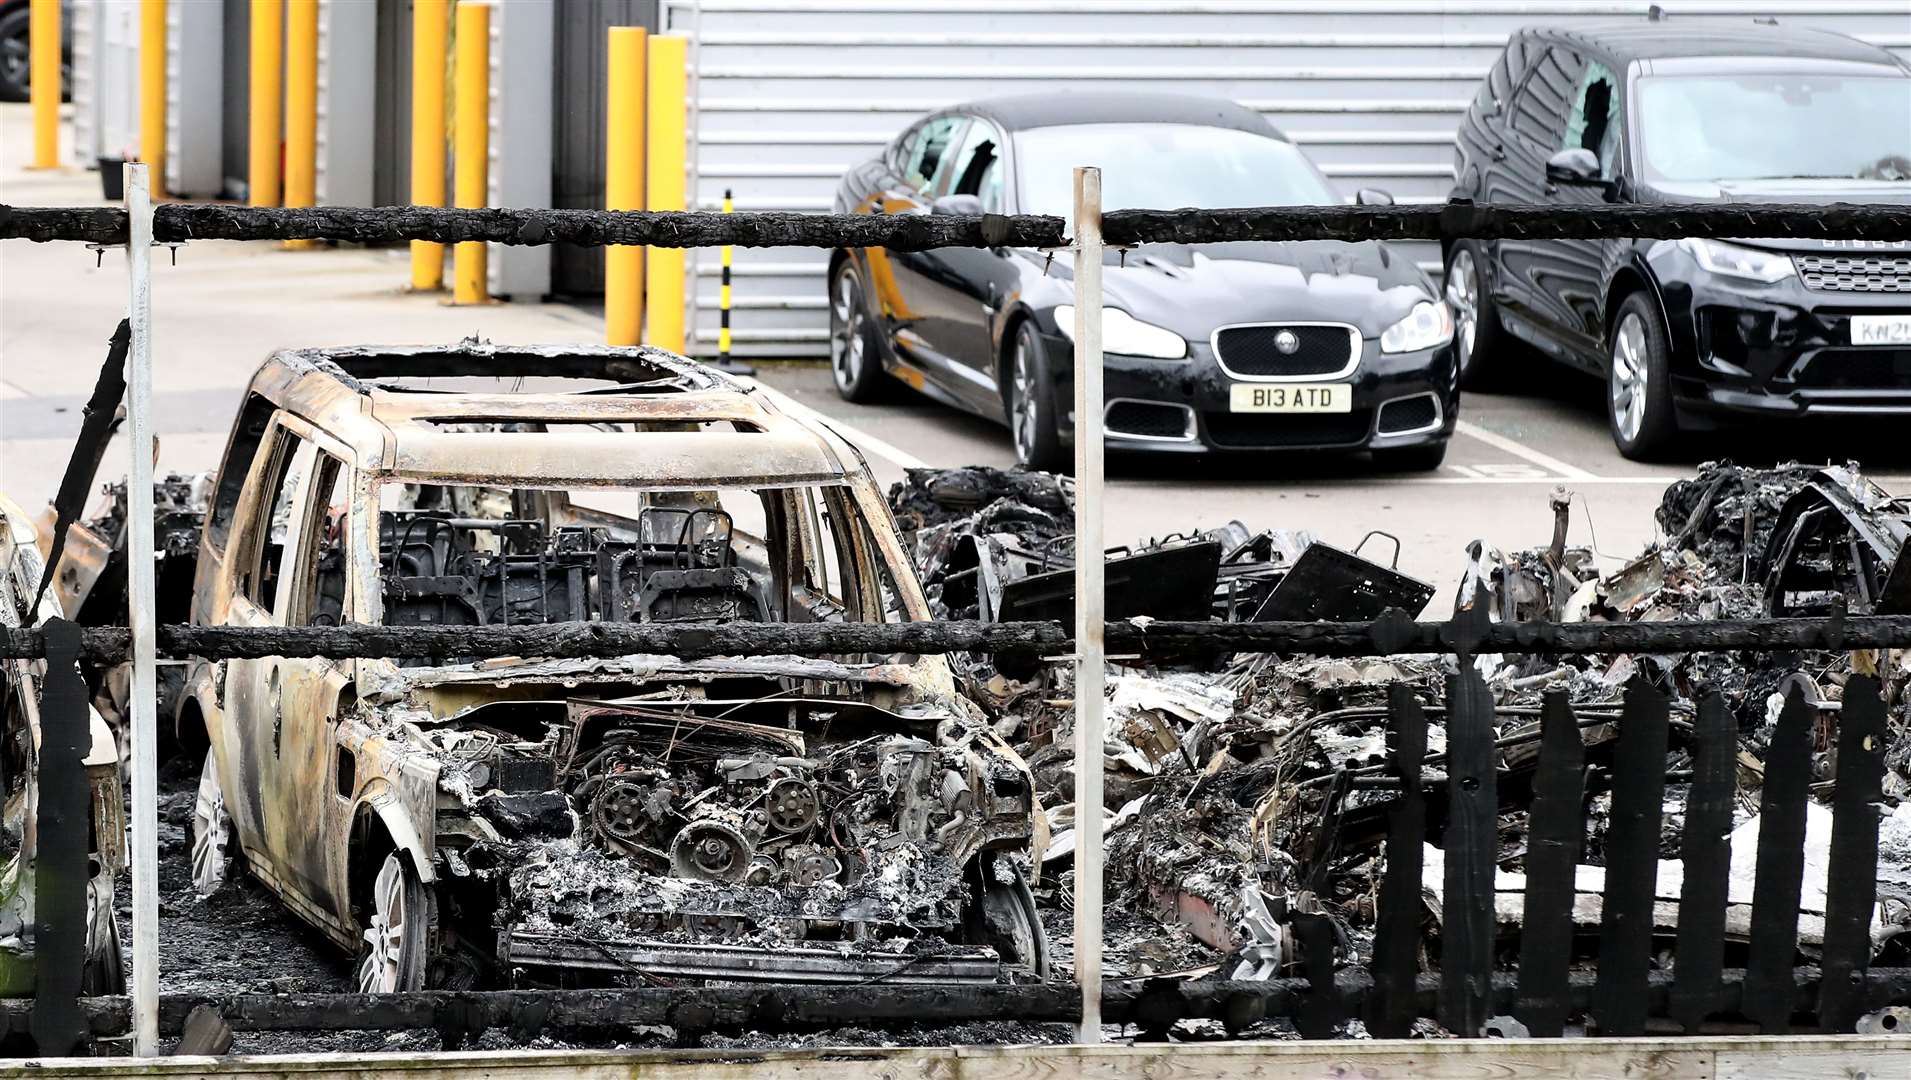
(241, 450)
(347, 773)
(271, 518)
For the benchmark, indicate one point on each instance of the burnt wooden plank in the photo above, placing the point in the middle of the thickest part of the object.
(1853, 888)
(1780, 868)
(1705, 847)
(1396, 961)
(1384, 636)
(1472, 846)
(1321, 1012)
(1122, 228)
(61, 823)
(1632, 862)
(1556, 832)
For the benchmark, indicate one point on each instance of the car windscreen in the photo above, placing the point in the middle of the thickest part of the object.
(1165, 166)
(1774, 126)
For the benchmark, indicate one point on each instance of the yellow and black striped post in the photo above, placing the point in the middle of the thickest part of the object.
(723, 297)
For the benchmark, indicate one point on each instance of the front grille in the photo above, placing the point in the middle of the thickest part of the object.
(1319, 350)
(1409, 414)
(1249, 431)
(1147, 418)
(1845, 273)
(1856, 369)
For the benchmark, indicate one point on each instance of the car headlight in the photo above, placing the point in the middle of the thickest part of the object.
(1123, 333)
(1427, 325)
(1733, 261)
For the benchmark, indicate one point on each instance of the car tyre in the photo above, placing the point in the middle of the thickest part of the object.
(1479, 343)
(1638, 387)
(211, 833)
(15, 69)
(855, 356)
(398, 930)
(1423, 458)
(1030, 403)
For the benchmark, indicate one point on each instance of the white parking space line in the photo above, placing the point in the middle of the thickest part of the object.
(862, 439)
(1520, 450)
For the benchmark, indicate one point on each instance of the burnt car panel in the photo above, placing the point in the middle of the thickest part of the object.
(733, 816)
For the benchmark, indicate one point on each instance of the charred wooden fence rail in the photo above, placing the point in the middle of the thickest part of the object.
(179, 222)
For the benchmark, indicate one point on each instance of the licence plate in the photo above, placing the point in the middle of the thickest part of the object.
(1291, 398)
(1881, 329)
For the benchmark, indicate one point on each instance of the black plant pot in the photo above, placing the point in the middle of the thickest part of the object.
(112, 179)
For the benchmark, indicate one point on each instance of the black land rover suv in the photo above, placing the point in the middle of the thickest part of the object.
(1683, 331)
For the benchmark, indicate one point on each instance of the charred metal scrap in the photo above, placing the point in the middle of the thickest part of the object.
(1246, 794)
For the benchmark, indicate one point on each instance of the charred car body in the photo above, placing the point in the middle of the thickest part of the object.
(514, 820)
(22, 834)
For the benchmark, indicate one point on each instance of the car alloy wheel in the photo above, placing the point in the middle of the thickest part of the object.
(846, 338)
(211, 833)
(1022, 405)
(1630, 380)
(390, 963)
(1463, 294)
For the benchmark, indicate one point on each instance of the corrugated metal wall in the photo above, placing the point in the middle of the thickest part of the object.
(788, 93)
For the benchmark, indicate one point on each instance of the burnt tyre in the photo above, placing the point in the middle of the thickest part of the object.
(1478, 340)
(1638, 390)
(1003, 916)
(855, 359)
(211, 833)
(1031, 404)
(398, 930)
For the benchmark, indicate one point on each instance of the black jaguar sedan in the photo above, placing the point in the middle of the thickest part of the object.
(1214, 347)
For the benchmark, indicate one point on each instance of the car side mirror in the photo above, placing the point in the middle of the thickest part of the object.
(1575, 166)
(963, 205)
(1372, 197)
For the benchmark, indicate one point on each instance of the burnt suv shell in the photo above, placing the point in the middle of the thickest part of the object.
(515, 820)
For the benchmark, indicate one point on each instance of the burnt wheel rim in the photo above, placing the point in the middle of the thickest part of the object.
(1022, 416)
(382, 969)
(1630, 379)
(846, 332)
(211, 832)
(1463, 295)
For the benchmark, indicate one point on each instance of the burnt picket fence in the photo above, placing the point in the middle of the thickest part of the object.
(1476, 979)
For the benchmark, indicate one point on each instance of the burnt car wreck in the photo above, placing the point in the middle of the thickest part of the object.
(517, 821)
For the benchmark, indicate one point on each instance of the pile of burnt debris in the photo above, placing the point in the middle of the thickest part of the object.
(1243, 790)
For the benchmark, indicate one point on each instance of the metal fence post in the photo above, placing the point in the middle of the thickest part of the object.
(139, 591)
(430, 27)
(624, 182)
(471, 122)
(266, 82)
(152, 89)
(1089, 650)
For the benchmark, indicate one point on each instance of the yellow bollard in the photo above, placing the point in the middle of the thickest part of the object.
(152, 93)
(262, 149)
(430, 26)
(624, 183)
(43, 76)
(723, 298)
(473, 143)
(664, 187)
(301, 107)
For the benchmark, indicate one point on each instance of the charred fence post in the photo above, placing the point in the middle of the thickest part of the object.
(1632, 861)
(1472, 835)
(1396, 963)
(60, 908)
(1706, 850)
(1555, 835)
(1849, 897)
(1781, 867)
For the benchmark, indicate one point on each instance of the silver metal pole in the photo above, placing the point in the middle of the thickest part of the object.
(139, 561)
(1089, 651)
